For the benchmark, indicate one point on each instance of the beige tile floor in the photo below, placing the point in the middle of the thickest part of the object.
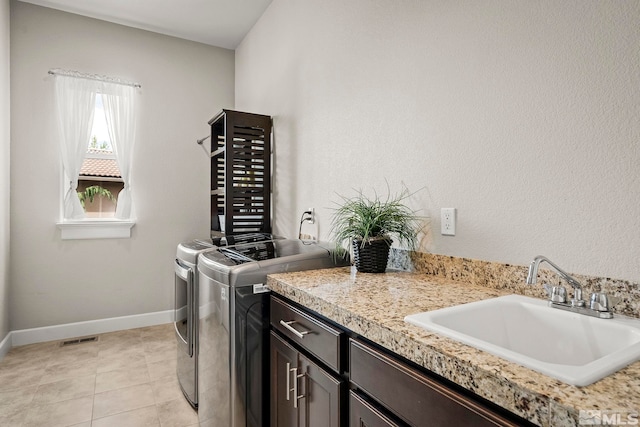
(126, 378)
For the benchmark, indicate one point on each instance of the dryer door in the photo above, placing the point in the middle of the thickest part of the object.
(186, 331)
(183, 307)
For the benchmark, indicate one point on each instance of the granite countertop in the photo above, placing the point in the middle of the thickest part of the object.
(374, 306)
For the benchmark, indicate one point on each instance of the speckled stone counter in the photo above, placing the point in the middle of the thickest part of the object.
(374, 306)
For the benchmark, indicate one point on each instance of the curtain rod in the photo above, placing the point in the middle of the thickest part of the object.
(97, 77)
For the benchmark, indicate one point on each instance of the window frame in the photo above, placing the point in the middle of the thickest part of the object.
(95, 228)
(91, 228)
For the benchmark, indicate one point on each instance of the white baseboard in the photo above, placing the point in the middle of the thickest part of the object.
(81, 329)
(5, 345)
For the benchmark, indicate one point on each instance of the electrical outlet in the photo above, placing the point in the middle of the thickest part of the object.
(309, 216)
(448, 221)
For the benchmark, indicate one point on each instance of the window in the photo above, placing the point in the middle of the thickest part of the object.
(99, 181)
(96, 117)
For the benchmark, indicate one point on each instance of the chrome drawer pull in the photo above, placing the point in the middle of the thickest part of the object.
(296, 396)
(288, 380)
(299, 334)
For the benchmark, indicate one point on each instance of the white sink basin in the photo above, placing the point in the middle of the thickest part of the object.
(570, 347)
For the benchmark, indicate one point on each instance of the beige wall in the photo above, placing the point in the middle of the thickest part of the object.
(4, 168)
(523, 115)
(183, 85)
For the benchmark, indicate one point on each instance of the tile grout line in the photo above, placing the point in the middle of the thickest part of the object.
(155, 401)
(67, 356)
(93, 397)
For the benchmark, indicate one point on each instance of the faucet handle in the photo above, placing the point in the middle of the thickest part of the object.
(556, 293)
(577, 300)
(600, 301)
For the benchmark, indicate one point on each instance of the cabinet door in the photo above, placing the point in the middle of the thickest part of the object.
(362, 414)
(321, 396)
(283, 359)
(413, 396)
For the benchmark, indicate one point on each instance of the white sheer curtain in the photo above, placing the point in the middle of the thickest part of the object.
(119, 109)
(75, 101)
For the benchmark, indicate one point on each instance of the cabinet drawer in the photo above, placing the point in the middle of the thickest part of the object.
(314, 335)
(362, 414)
(411, 395)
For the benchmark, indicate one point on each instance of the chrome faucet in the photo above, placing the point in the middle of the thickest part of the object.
(599, 303)
(532, 278)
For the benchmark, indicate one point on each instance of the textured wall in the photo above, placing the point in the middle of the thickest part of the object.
(523, 115)
(4, 168)
(183, 85)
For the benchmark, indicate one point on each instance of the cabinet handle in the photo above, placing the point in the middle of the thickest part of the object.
(299, 334)
(296, 396)
(288, 379)
(293, 389)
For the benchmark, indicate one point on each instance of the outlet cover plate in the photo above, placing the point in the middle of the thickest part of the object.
(448, 221)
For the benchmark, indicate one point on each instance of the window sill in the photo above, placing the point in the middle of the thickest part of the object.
(96, 229)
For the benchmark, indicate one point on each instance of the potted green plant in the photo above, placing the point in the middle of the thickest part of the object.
(92, 192)
(368, 225)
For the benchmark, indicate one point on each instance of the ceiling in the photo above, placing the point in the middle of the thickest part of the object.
(222, 23)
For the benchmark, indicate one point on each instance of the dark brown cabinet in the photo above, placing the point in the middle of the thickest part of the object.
(283, 357)
(302, 393)
(412, 396)
(364, 414)
(240, 173)
(314, 362)
(307, 388)
(317, 337)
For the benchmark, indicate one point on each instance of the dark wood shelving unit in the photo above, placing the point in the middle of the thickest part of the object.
(240, 173)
